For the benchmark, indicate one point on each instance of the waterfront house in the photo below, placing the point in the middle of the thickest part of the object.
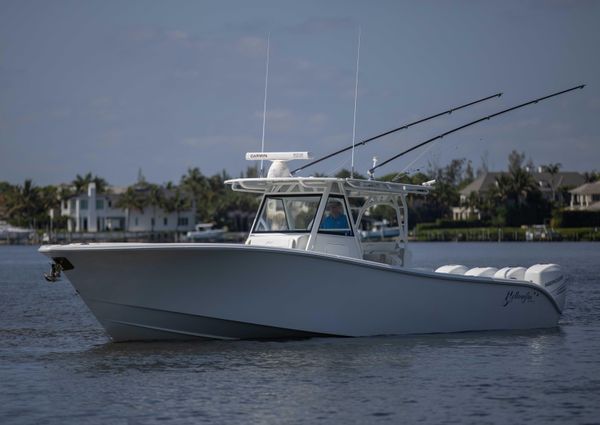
(552, 186)
(586, 197)
(101, 212)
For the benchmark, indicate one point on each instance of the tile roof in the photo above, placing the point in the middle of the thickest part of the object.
(587, 189)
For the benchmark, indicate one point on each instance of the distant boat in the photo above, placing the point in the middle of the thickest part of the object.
(9, 231)
(539, 232)
(380, 230)
(205, 232)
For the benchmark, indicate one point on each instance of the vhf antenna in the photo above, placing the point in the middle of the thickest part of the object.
(355, 102)
(262, 144)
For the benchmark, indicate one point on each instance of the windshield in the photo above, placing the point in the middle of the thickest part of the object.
(335, 219)
(287, 214)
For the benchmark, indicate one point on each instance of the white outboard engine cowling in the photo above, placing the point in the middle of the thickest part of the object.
(552, 278)
(452, 269)
(482, 271)
(514, 273)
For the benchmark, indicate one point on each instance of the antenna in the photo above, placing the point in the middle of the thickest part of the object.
(262, 144)
(355, 101)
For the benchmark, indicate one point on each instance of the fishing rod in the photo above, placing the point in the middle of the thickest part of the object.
(371, 170)
(404, 127)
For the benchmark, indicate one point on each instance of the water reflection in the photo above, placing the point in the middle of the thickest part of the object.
(342, 355)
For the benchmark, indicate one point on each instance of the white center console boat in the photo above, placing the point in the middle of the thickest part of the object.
(303, 271)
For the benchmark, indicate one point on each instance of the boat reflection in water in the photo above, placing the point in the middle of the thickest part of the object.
(303, 271)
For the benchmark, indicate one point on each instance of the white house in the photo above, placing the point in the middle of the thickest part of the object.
(550, 186)
(586, 197)
(92, 212)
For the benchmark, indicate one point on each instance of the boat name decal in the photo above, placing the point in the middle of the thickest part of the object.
(517, 296)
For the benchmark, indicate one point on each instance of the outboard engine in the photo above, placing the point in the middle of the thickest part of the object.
(482, 271)
(514, 273)
(551, 277)
(452, 269)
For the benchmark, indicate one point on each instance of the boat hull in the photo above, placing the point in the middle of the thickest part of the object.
(228, 291)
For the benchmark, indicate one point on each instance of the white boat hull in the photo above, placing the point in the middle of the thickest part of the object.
(227, 291)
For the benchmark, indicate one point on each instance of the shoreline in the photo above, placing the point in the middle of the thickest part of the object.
(483, 234)
(506, 234)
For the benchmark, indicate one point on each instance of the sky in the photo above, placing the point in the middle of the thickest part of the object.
(111, 87)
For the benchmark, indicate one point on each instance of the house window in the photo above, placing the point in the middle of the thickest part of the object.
(152, 222)
(99, 204)
(72, 204)
(182, 221)
(109, 203)
(83, 204)
(165, 221)
(136, 221)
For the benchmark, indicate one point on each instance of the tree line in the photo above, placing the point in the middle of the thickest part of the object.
(28, 205)
(514, 199)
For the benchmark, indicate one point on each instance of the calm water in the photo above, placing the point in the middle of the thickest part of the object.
(57, 366)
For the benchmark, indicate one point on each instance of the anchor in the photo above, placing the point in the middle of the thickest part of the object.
(54, 274)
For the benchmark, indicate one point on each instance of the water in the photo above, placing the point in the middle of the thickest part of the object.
(57, 366)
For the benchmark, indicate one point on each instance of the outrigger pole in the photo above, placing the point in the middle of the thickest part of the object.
(371, 170)
(404, 127)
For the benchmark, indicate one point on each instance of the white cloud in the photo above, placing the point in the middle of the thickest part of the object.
(317, 25)
(142, 34)
(100, 102)
(111, 138)
(61, 112)
(172, 36)
(279, 120)
(318, 119)
(186, 74)
(594, 102)
(252, 46)
(176, 35)
(220, 141)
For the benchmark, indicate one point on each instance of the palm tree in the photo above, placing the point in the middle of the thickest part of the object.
(515, 187)
(197, 185)
(553, 169)
(131, 200)
(23, 203)
(591, 176)
(473, 203)
(177, 203)
(523, 185)
(155, 199)
(81, 183)
(101, 184)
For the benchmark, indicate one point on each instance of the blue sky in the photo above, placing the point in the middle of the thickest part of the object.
(114, 86)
